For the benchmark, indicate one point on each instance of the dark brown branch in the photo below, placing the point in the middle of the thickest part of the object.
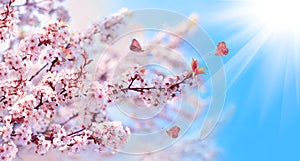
(44, 42)
(2, 98)
(7, 12)
(177, 84)
(141, 89)
(53, 63)
(40, 103)
(63, 91)
(38, 72)
(51, 85)
(132, 80)
(3, 26)
(71, 118)
(76, 132)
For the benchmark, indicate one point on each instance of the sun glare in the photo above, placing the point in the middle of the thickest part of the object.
(278, 14)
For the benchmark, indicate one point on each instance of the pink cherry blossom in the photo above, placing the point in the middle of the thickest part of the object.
(48, 101)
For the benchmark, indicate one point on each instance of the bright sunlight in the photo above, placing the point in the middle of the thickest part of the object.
(279, 15)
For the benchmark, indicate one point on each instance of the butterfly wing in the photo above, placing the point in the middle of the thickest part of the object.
(222, 50)
(135, 46)
(173, 132)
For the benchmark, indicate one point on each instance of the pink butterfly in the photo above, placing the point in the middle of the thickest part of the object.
(135, 46)
(222, 49)
(173, 132)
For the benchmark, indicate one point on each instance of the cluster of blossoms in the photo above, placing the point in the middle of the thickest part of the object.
(23, 16)
(154, 91)
(30, 100)
(7, 16)
(46, 100)
(41, 78)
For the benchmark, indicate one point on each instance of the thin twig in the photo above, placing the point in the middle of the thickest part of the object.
(78, 131)
(38, 72)
(71, 118)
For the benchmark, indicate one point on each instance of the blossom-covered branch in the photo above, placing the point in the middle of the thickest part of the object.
(48, 102)
(33, 100)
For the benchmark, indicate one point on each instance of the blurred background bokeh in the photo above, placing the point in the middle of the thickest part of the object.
(262, 71)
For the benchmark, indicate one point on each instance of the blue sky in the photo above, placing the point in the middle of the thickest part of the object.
(265, 125)
(262, 72)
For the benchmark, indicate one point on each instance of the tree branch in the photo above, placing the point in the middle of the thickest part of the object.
(38, 72)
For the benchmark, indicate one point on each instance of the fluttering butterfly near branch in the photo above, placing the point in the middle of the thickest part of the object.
(222, 50)
(173, 132)
(135, 46)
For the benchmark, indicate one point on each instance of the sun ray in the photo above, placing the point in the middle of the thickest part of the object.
(277, 81)
(229, 11)
(284, 90)
(270, 83)
(236, 65)
(290, 92)
(297, 70)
